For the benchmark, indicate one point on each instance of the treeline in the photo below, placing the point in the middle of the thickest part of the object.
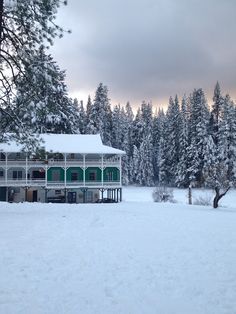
(188, 143)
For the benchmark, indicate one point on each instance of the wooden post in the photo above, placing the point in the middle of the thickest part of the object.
(84, 169)
(102, 170)
(26, 194)
(46, 195)
(65, 195)
(65, 165)
(6, 168)
(190, 194)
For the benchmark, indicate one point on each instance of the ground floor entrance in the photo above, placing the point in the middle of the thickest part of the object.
(72, 196)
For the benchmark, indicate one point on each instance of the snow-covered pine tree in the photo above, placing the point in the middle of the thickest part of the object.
(135, 166)
(198, 136)
(181, 174)
(171, 146)
(217, 107)
(145, 175)
(99, 115)
(25, 26)
(127, 146)
(158, 125)
(137, 129)
(81, 116)
(117, 127)
(41, 102)
(88, 115)
(227, 138)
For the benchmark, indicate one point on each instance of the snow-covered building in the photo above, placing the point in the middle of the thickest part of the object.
(67, 168)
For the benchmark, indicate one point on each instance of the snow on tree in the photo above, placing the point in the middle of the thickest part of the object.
(158, 125)
(170, 149)
(41, 101)
(25, 26)
(127, 118)
(181, 171)
(81, 114)
(198, 136)
(217, 107)
(145, 175)
(99, 115)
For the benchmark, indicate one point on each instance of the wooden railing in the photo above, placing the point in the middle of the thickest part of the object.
(58, 163)
(62, 184)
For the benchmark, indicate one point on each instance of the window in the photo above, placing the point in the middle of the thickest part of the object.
(74, 176)
(110, 176)
(17, 175)
(72, 156)
(55, 175)
(1, 173)
(92, 176)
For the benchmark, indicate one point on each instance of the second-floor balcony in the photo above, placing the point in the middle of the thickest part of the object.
(57, 184)
(58, 163)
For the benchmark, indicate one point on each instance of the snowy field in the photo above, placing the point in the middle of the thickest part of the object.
(135, 257)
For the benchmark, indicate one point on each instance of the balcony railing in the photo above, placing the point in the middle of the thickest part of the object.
(58, 163)
(62, 184)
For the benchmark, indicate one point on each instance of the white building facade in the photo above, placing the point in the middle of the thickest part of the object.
(67, 168)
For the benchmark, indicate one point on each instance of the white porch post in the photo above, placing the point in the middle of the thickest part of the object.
(102, 170)
(65, 170)
(84, 168)
(46, 171)
(6, 167)
(120, 172)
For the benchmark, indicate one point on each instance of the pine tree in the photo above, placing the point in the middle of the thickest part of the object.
(42, 103)
(81, 116)
(217, 107)
(145, 174)
(99, 117)
(25, 27)
(127, 160)
(171, 147)
(181, 173)
(198, 136)
(158, 133)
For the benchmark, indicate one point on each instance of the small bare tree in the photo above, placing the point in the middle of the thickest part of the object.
(217, 178)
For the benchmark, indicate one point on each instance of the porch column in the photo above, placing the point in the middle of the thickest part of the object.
(6, 167)
(26, 169)
(65, 165)
(84, 169)
(46, 170)
(102, 170)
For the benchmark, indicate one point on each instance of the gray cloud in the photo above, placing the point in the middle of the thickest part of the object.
(148, 49)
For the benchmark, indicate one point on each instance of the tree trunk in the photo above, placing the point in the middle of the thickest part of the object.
(1, 14)
(218, 196)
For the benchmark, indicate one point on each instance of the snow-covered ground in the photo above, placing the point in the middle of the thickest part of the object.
(135, 257)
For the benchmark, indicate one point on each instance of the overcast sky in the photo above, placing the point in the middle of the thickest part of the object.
(148, 49)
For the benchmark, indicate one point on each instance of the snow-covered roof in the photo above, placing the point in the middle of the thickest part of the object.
(67, 143)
